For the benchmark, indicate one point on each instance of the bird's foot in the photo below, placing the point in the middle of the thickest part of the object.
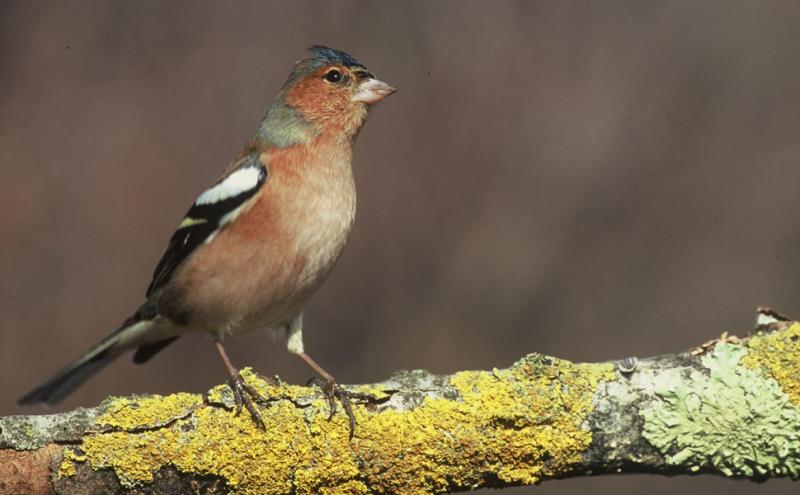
(243, 395)
(333, 392)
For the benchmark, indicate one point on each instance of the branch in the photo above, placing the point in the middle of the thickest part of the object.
(730, 407)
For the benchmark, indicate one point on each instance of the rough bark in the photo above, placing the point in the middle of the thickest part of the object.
(730, 407)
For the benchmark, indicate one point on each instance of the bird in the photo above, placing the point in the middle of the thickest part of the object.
(256, 245)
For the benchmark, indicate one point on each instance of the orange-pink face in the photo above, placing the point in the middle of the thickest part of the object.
(336, 96)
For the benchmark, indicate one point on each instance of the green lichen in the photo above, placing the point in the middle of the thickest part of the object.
(777, 354)
(730, 419)
(518, 425)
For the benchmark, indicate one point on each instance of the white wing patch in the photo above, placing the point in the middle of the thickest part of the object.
(235, 184)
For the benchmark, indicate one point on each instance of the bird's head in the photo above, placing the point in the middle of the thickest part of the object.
(328, 94)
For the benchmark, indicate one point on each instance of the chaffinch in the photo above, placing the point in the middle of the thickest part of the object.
(255, 246)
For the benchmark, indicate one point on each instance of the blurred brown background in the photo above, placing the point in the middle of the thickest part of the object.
(586, 179)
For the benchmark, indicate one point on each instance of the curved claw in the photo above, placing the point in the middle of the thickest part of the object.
(333, 392)
(242, 393)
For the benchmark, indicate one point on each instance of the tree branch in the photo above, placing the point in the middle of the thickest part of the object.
(730, 407)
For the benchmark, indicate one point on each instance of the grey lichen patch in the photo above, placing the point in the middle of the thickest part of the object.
(727, 418)
(33, 432)
(617, 442)
(414, 386)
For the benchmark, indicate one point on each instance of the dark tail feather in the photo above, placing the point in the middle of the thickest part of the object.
(74, 374)
(147, 351)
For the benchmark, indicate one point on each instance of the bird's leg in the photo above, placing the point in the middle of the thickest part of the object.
(242, 391)
(327, 383)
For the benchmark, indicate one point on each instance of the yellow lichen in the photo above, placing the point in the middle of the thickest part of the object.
(778, 355)
(131, 413)
(377, 393)
(68, 460)
(517, 425)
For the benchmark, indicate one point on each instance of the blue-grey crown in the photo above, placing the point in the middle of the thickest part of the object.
(326, 55)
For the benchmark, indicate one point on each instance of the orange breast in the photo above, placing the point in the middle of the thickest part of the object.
(260, 270)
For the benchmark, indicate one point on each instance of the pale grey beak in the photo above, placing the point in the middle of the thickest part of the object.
(371, 91)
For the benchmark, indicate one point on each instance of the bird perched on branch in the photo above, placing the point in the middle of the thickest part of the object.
(256, 245)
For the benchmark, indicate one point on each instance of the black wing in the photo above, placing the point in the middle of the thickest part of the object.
(212, 210)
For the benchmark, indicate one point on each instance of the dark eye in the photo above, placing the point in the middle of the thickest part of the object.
(333, 76)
